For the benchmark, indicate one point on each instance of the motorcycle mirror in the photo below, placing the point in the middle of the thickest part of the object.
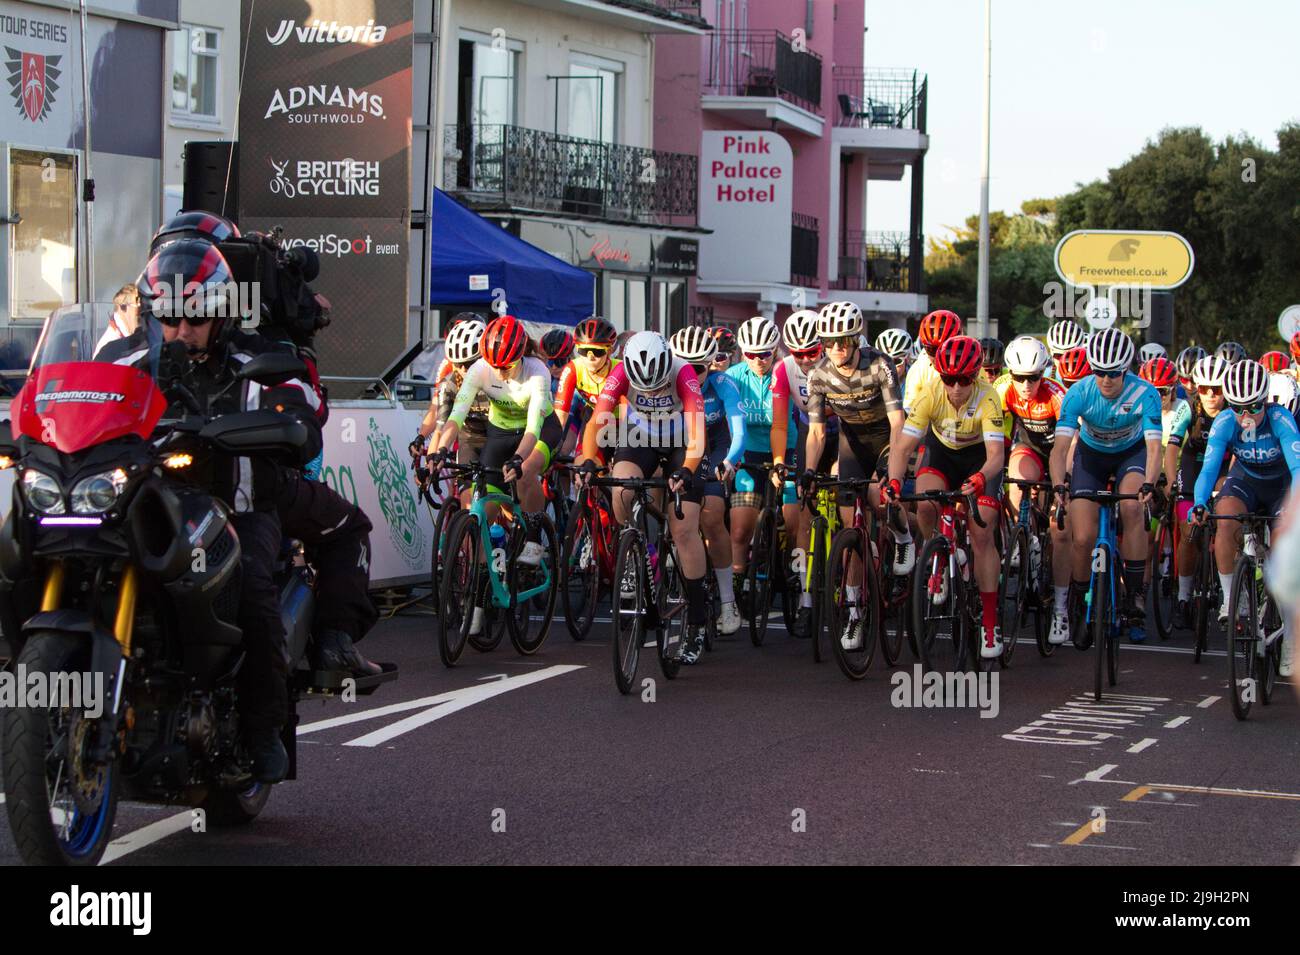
(272, 368)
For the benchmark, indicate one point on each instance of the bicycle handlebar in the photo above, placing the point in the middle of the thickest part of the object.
(947, 497)
(642, 484)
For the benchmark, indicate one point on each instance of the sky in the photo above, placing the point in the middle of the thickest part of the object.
(1077, 88)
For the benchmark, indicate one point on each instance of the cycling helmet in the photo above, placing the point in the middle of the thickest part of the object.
(1073, 365)
(1283, 390)
(1275, 361)
(556, 346)
(725, 338)
(916, 351)
(758, 334)
(647, 361)
(1187, 359)
(1232, 351)
(694, 344)
(1063, 336)
(1246, 383)
(993, 350)
(462, 346)
(938, 327)
(1026, 355)
(1110, 350)
(959, 355)
(1210, 372)
(595, 331)
(894, 342)
(1152, 350)
(188, 278)
(1159, 371)
(838, 320)
(196, 224)
(800, 330)
(504, 341)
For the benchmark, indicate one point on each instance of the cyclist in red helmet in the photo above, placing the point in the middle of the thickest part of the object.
(1275, 361)
(1163, 375)
(936, 328)
(584, 375)
(958, 416)
(1073, 366)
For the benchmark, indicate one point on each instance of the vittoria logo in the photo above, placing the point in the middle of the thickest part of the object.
(32, 82)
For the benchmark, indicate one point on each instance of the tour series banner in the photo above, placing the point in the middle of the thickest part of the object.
(324, 152)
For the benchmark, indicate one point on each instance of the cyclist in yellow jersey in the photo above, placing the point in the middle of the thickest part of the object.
(959, 418)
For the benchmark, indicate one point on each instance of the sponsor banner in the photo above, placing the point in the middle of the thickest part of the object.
(746, 198)
(325, 143)
(1111, 257)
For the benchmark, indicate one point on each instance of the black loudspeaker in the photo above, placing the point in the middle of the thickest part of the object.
(207, 165)
(1161, 328)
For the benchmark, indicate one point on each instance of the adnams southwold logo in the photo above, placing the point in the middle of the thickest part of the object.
(327, 32)
(325, 104)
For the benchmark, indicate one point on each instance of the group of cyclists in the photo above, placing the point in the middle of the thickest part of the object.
(717, 412)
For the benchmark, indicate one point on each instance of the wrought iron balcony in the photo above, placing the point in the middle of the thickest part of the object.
(688, 10)
(512, 167)
(805, 247)
(891, 99)
(880, 262)
(764, 63)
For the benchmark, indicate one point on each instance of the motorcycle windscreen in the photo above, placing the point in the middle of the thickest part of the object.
(72, 406)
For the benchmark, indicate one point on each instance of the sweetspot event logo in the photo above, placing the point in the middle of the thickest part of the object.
(395, 498)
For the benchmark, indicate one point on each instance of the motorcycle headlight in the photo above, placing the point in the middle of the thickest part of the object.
(42, 492)
(99, 492)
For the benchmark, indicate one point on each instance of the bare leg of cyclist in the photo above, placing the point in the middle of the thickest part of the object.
(718, 541)
(1227, 546)
(743, 521)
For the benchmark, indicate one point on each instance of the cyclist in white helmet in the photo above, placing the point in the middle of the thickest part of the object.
(460, 350)
(897, 344)
(1064, 336)
(1150, 351)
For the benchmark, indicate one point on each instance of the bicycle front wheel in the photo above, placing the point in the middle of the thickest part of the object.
(1016, 590)
(1243, 639)
(937, 608)
(629, 602)
(854, 621)
(893, 609)
(1100, 622)
(528, 639)
(579, 575)
(1164, 586)
(462, 583)
(759, 576)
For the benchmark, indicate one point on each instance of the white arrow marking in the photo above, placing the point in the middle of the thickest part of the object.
(494, 676)
(1096, 774)
(458, 700)
(135, 841)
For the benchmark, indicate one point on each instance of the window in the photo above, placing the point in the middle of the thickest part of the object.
(593, 102)
(489, 80)
(670, 305)
(43, 245)
(626, 307)
(194, 73)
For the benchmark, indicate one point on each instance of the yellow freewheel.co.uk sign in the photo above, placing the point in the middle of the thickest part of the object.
(1159, 260)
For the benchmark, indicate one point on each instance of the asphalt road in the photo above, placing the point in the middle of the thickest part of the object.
(761, 756)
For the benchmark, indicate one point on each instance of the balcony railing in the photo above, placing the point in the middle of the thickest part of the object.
(669, 9)
(893, 99)
(531, 169)
(804, 250)
(880, 262)
(764, 63)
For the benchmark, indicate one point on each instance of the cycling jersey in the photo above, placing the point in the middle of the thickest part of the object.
(1111, 424)
(723, 420)
(519, 403)
(577, 379)
(1033, 422)
(756, 403)
(1265, 452)
(1190, 429)
(663, 418)
(918, 378)
(863, 398)
(1177, 411)
(476, 420)
(789, 381)
(979, 419)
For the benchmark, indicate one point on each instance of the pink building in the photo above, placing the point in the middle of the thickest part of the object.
(790, 127)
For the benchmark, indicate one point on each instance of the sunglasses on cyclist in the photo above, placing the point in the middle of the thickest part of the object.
(808, 353)
(1113, 373)
(1025, 379)
(1254, 407)
(1209, 390)
(957, 380)
(844, 341)
(1166, 391)
(758, 355)
(592, 351)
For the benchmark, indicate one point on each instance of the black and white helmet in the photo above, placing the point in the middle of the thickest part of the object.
(647, 360)
(1187, 359)
(1246, 383)
(1026, 355)
(1063, 336)
(838, 320)
(1282, 390)
(463, 341)
(1110, 350)
(695, 345)
(1151, 350)
(894, 342)
(1209, 372)
(758, 334)
(800, 330)
(1232, 352)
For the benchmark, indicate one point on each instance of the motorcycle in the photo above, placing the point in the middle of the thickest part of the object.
(132, 570)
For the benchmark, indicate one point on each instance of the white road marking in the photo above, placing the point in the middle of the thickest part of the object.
(135, 841)
(1095, 775)
(1102, 845)
(1141, 745)
(1176, 722)
(458, 700)
(1207, 702)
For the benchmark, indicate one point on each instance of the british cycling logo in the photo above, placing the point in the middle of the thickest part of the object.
(323, 177)
(338, 104)
(32, 81)
(327, 32)
(396, 501)
(77, 908)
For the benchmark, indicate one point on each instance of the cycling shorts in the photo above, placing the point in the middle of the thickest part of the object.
(654, 462)
(1093, 469)
(500, 444)
(956, 467)
(1259, 495)
(859, 450)
(747, 489)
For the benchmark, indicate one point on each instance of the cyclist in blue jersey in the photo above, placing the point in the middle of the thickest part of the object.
(1264, 441)
(757, 339)
(724, 424)
(1116, 416)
